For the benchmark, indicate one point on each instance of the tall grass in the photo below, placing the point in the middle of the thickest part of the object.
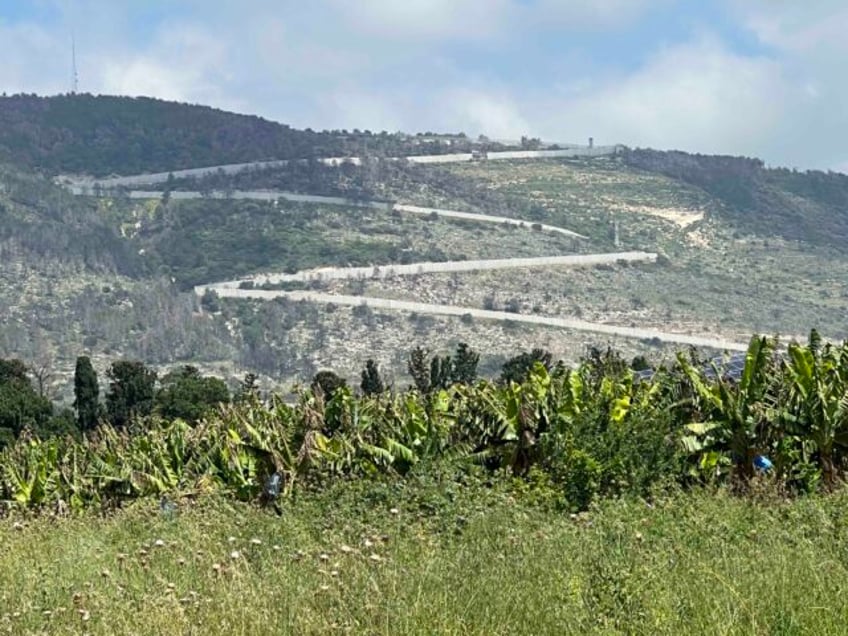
(412, 559)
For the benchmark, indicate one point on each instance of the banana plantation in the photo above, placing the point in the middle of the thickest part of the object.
(575, 434)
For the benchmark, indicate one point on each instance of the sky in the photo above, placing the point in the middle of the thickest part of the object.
(760, 78)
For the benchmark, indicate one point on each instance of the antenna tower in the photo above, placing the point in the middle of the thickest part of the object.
(74, 74)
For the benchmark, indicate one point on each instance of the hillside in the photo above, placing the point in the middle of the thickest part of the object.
(40, 222)
(741, 248)
(102, 135)
(798, 206)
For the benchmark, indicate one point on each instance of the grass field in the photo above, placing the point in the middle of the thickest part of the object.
(426, 557)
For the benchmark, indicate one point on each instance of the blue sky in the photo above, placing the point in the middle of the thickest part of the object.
(753, 77)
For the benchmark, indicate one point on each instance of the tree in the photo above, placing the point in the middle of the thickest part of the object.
(210, 301)
(248, 388)
(465, 365)
(517, 368)
(42, 371)
(188, 395)
(419, 369)
(640, 363)
(441, 372)
(86, 394)
(131, 391)
(372, 383)
(328, 382)
(20, 405)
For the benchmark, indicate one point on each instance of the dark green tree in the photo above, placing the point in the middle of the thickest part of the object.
(328, 382)
(188, 395)
(640, 363)
(465, 365)
(517, 368)
(132, 388)
(61, 424)
(441, 372)
(86, 394)
(372, 383)
(210, 301)
(419, 369)
(20, 404)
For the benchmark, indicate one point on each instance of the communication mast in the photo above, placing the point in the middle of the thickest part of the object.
(74, 74)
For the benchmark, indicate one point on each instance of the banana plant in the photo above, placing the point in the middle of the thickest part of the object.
(818, 401)
(735, 415)
(30, 472)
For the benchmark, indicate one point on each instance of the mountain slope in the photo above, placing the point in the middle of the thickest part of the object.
(41, 222)
(101, 135)
(807, 206)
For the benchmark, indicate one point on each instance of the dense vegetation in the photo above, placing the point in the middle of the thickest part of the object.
(572, 434)
(39, 221)
(204, 241)
(101, 135)
(447, 509)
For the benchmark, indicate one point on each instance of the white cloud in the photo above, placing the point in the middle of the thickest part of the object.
(426, 19)
(34, 60)
(473, 20)
(478, 111)
(696, 96)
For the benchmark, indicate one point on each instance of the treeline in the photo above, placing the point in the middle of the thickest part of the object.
(135, 391)
(101, 135)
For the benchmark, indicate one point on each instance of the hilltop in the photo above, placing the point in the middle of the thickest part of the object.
(809, 206)
(102, 135)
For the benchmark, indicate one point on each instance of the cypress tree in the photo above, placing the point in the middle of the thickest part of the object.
(86, 394)
(372, 383)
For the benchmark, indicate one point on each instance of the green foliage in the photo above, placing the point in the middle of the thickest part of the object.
(328, 382)
(465, 363)
(517, 368)
(187, 395)
(100, 135)
(21, 407)
(442, 371)
(372, 383)
(248, 389)
(579, 434)
(131, 392)
(210, 301)
(47, 223)
(808, 206)
(86, 394)
(419, 369)
(203, 241)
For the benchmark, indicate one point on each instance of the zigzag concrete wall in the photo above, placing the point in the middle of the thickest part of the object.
(87, 185)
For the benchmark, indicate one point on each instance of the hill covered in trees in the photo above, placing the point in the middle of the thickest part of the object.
(41, 222)
(101, 135)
